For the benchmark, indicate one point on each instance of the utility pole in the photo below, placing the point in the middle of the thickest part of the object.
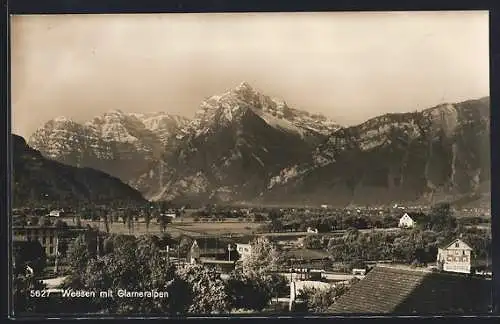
(229, 248)
(97, 241)
(57, 253)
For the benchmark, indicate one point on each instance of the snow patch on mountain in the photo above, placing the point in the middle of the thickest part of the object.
(285, 176)
(258, 160)
(282, 124)
(223, 109)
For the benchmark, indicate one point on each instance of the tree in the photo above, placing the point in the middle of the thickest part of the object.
(248, 293)
(185, 244)
(164, 221)
(61, 224)
(208, 292)
(320, 300)
(136, 265)
(34, 221)
(130, 223)
(313, 242)
(83, 248)
(29, 253)
(278, 284)
(441, 217)
(108, 245)
(45, 221)
(166, 240)
(265, 257)
(147, 219)
(62, 247)
(22, 301)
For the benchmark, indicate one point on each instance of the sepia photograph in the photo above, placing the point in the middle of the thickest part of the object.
(243, 164)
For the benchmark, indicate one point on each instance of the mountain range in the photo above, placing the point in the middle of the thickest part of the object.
(244, 146)
(117, 143)
(37, 181)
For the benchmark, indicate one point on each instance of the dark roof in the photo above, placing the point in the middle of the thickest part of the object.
(406, 291)
(212, 243)
(245, 239)
(306, 254)
(447, 245)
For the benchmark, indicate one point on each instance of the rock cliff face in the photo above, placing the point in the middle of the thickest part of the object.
(117, 143)
(40, 181)
(243, 146)
(442, 153)
(228, 152)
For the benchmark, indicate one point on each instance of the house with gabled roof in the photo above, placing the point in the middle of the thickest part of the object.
(209, 248)
(406, 221)
(455, 257)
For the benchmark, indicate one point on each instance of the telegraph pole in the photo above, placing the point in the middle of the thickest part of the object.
(229, 248)
(57, 253)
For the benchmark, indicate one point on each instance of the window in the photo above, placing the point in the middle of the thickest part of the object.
(51, 250)
(463, 252)
(457, 244)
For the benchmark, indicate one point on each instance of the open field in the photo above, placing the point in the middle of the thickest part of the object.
(286, 234)
(177, 228)
(187, 226)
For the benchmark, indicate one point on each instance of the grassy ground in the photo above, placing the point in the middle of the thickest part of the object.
(178, 227)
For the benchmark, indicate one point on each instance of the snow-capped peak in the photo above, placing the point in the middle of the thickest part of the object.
(61, 119)
(218, 110)
(244, 86)
(114, 112)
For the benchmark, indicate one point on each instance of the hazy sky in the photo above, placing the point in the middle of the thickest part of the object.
(348, 66)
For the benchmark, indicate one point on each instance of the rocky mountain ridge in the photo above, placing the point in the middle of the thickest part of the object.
(118, 143)
(232, 146)
(244, 146)
(440, 153)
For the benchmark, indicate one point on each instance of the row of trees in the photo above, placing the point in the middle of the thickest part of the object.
(136, 264)
(300, 222)
(439, 218)
(410, 246)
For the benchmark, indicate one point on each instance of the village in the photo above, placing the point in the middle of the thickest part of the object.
(319, 249)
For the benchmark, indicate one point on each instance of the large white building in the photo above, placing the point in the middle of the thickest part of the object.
(455, 257)
(406, 221)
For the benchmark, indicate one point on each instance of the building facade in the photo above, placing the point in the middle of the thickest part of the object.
(208, 248)
(48, 236)
(406, 221)
(244, 250)
(455, 257)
